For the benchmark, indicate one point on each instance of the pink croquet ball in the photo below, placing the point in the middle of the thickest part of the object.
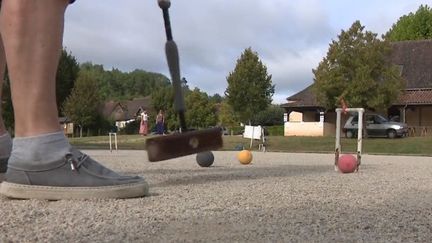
(347, 163)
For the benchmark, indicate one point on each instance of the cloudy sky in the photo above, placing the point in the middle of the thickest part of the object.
(290, 37)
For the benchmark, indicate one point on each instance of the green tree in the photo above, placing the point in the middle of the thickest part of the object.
(201, 112)
(357, 68)
(414, 26)
(163, 99)
(82, 106)
(118, 85)
(216, 98)
(227, 116)
(273, 115)
(67, 73)
(250, 88)
(107, 91)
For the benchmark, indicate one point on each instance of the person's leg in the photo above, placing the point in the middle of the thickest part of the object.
(42, 163)
(32, 59)
(5, 139)
(2, 70)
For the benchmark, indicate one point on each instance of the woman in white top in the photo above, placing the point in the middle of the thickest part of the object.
(144, 123)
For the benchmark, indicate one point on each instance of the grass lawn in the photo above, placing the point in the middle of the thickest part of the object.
(400, 146)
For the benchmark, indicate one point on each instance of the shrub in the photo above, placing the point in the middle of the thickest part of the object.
(275, 130)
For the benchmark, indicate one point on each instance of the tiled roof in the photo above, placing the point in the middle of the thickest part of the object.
(415, 97)
(135, 105)
(125, 110)
(304, 98)
(415, 59)
(108, 108)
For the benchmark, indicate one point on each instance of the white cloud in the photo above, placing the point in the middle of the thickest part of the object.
(291, 37)
(292, 72)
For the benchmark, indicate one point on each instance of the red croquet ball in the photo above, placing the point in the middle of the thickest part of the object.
(347, 163)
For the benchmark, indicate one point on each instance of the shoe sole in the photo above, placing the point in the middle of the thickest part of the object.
(20, 191)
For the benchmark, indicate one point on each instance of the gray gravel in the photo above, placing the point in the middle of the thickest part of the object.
(280, 197)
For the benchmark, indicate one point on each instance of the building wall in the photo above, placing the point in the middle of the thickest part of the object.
(306, 116)
(312, 129)
(329, 129)
(427, 116)
(418, 116)
(68, 128)
(305, 124)
(295, 117)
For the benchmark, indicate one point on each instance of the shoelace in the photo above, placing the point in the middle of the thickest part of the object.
(75, 163)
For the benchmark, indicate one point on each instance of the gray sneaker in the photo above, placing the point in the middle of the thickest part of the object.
(77, 176)
(3, 168)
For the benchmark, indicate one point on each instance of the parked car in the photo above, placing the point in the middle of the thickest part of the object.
(376, 126)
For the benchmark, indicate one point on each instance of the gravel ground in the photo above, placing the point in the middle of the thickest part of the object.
(280, 197)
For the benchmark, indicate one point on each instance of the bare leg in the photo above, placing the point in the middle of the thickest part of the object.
(2, 70)
(32, 34)
(42, 163)
(5, 139)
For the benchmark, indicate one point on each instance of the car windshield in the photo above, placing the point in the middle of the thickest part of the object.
(380, 119)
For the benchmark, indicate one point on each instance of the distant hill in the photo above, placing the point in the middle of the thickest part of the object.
(118, 85)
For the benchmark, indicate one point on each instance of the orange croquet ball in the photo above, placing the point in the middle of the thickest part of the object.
(347, 163)
(244, 157)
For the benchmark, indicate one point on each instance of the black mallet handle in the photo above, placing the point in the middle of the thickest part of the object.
(172, 56)
(188, 142)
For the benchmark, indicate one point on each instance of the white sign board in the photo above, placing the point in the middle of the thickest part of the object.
(254, 132)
